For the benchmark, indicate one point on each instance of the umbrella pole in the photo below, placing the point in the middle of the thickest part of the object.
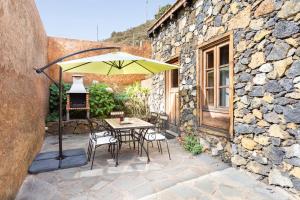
(60, 115)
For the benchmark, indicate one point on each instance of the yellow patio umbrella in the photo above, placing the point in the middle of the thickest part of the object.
(106, 64)
(116, 63)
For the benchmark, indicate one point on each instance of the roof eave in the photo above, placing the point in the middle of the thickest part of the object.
(167, 15)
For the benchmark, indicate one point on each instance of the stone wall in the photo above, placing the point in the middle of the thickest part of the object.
(266, 37)
(23, 93)
(58, 47)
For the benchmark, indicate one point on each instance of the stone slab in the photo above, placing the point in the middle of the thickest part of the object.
(47, 155)
(74, 152)
(46, 165)
(47, 161)
(73, 161)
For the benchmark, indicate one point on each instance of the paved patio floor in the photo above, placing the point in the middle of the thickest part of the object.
(183, 177)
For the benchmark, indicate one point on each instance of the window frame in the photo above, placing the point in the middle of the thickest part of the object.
(216, 80)
(205, 76)
(218, 86)
(224, 38)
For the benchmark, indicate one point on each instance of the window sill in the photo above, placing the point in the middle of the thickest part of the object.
(214, 131)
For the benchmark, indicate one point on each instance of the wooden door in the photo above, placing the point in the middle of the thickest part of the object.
(172, 96)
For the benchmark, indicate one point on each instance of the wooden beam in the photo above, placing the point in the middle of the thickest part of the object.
(167, 15)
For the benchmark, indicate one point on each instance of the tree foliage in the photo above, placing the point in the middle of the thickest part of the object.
(54, 100)
(133, 101)
(137, 100)
(101, 100)
(162, 10)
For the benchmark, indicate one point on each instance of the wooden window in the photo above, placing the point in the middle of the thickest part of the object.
(215, 83)
(223, 71)
(174, 78)
(216, 77)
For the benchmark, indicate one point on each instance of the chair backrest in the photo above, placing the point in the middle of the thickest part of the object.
(97, 126)
(163, 122)
(92, 125)
(153, 118)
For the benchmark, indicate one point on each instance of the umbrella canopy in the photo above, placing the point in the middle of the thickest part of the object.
(115, 63)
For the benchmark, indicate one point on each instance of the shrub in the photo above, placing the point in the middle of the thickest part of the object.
(101, 101)
(191, 144)
(134, 101)
(52, 117)
(54, 97)
(120, 100)
(137, 102)
(162, 11)
(54, 101)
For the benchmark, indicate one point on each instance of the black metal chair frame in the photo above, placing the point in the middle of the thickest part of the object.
(113, 142)
(152, 119)
(162, 127)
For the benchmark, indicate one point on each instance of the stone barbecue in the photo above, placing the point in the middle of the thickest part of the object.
(77, 97)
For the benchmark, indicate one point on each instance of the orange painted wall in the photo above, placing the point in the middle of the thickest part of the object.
(23, 93)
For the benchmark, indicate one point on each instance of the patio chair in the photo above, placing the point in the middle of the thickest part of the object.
(154, 119)
(97, 139)
(99, 129)
(159, 135)
(124, 136)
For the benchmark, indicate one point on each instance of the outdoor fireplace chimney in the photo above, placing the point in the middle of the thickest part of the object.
(77, 97)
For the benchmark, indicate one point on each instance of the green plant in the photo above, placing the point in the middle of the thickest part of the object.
(197, 149)
(54, 97)
(162, 11)
(101, 100)
(191, 144)
(52, 117)
(137, 102)
(120, 100)
(54, 101)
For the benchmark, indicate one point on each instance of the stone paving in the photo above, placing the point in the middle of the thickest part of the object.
(184, 177)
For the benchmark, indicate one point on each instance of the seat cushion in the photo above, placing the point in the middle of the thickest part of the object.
(102, 133)
(104, 140)
(154, 136)
(149, 131)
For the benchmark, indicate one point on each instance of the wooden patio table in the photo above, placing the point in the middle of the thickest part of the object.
(133, 124)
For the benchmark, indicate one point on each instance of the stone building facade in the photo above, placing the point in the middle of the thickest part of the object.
(263, 37)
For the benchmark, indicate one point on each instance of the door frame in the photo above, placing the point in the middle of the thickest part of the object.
(167, 75)
(199, 79)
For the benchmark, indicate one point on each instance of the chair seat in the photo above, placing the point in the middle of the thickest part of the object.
(102, 133)
(104, 140)
(149, 131)
(154, 136)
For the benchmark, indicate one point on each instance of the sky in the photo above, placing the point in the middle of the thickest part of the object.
(78, 19)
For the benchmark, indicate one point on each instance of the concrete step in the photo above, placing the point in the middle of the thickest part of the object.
(172, 133)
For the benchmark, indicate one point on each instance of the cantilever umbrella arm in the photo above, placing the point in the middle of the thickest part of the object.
(59, 85)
